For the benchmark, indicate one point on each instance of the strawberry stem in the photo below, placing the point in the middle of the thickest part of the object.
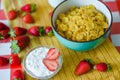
(12, 33)
(41, 30)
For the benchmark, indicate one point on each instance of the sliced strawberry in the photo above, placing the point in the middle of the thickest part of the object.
(18, 75)
(36, 30)
(19, 30)
(3, 26)
(28, 7)
(102, 67)
(4, 61)
(51, 64)
(4, 34)
(83, 67)
(53, 53)
(15, 60)
(12, 14)
(28, 18)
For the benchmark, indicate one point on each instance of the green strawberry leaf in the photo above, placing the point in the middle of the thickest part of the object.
(41, 30)
(109, 67)
(32, 6)
(15, 48)
(50, 33)
(12, 33)
(1, 36)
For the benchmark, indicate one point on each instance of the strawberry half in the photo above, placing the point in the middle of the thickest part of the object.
(28, 7)
(18, 75)
(4, 61)
(3, 26)
(19, 30)
(51, 64)
(53, 53)
(14, 60)
(27, 18)
(36, 30)
(102, 67)
(83, 67)
(12, 14)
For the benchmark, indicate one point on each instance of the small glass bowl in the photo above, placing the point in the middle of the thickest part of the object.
(29, 72)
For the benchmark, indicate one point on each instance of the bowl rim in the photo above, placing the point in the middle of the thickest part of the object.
(82, 41)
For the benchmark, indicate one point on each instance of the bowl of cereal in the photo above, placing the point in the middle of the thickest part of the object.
(81, 25)
(42, 62)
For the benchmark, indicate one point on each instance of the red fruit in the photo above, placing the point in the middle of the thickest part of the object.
(3, 26)
(48, 31)
(15, 60)
(3, 61)
(28, 7)
(22, 41)
(53, 53)
(19, 31)
(12, 14)
(4, 34)
(36, 31)
(50, 64)
(102, 67)
(28, 18)
(18, 75)
(84, 66)
(5, 40)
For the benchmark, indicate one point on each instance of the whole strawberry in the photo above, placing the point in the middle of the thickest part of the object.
(15, 60)
(102, 67)
(18, 75)
(48, 31)
(4, 61)
(12, 14)
(19, 31)
(4, 34)
(84, 66)
(19, 43)
(36, 30)
(3, 26)
(27, 18)
(28, 7)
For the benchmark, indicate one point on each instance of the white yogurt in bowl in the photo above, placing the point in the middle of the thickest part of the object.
(33, 63)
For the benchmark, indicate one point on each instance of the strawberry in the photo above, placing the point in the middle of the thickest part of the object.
(28, 7)
(27, 18)
(53, 53)
(4, 61)
(84, 66)
(102, 67)
(5, 40)
(12, 14)
(36, 30)
(14, 60)
(3, 26)
(19, 30)
(18, 75)
(4, 34)
(51, 64)
(19, 43)
(48, 31)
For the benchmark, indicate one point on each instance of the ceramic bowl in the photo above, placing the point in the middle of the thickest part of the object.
(33, 65)
(86, 45)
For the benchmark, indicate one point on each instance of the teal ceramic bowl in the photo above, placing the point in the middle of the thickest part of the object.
(87, 45)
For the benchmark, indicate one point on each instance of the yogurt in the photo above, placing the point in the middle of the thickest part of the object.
(34, 66)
